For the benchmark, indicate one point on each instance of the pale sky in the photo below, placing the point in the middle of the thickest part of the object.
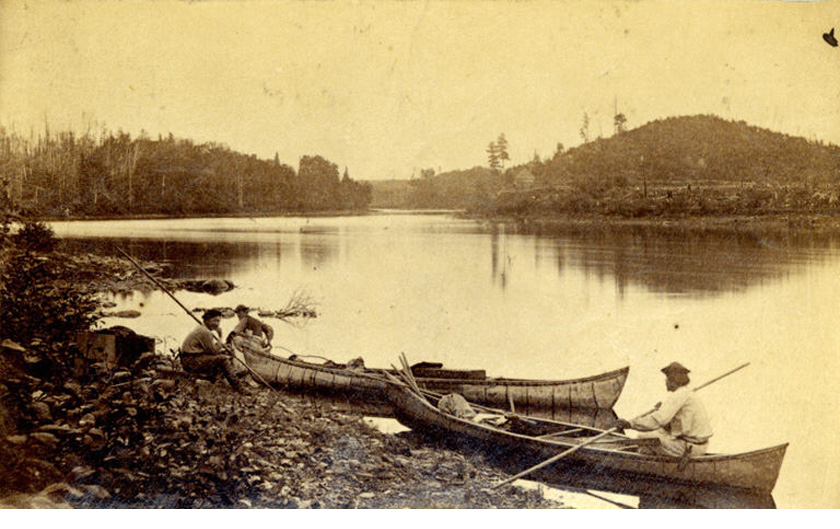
(387, 88)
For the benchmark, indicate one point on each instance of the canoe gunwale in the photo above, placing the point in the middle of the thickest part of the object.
(609, 375)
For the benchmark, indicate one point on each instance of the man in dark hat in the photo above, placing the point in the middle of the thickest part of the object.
(249, 326)
(202, 352)
(680, 422)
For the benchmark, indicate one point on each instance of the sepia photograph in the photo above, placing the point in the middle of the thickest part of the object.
(433, 254)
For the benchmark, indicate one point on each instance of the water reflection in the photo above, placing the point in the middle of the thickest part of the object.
(499, 255)
(652, 494)
(319, 252)
(185, 259)
(661, 259)
(671, 261)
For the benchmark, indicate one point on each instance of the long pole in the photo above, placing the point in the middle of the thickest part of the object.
(712, 381)
(563, 454)
(193, 316)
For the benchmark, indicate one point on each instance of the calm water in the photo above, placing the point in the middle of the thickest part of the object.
(537, 305)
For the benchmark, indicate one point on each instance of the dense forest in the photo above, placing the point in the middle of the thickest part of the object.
(697, 165)
(454, 189)
(113, 174)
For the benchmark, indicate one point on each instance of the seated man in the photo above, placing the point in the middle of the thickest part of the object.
(203, 353)
(680, 423)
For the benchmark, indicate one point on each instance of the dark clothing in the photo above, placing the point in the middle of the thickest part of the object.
(202, 353)
(210, 364)
(201, 340)
(255, 327)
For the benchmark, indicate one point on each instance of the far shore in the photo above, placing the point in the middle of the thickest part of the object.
(776, 225)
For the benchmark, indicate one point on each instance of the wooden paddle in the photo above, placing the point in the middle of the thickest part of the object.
(574, 449)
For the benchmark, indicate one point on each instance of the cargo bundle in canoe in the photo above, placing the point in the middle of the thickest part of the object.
(528, 396)
(614, 464)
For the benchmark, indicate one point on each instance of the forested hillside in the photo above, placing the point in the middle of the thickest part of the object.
(699, 149)
(114, 174)
(684, 166)
(697, 165)
(454, 189)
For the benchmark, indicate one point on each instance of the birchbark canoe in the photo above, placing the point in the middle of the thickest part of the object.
(614, 465)
(529, 396)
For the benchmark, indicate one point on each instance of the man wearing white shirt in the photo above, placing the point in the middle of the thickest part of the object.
(680, 423)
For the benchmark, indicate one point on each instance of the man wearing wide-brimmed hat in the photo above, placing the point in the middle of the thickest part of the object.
(680, 422)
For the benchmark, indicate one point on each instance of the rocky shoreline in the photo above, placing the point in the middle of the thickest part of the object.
(148, 436)
(140, 438)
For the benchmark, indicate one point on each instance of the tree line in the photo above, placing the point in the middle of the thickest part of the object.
(701, 149)
(113, 174)
(691, 165)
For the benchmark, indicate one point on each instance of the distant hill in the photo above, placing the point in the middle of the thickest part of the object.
(450, 190)
(701, 149)
(391, 194)
(683, 166)
(691, 165)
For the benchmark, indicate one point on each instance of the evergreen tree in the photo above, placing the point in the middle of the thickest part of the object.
(493, 159)
(502, 149)
(584, 128)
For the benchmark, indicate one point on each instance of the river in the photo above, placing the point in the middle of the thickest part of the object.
(536, 304)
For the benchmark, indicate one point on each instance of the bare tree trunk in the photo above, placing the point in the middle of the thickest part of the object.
(240, 186)
(134, 155)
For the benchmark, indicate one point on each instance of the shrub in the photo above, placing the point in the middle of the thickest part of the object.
(35, 237)
(35, 302)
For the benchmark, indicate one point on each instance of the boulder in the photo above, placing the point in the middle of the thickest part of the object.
(42, 412)
(123, 314)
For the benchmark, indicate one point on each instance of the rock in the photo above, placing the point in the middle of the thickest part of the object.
(123, 314)
(44, 438)
(94, 440)
(210, 286)
(163, 386)
(97, 491)
(73, 388)
(227, 312)
(79, 473)
(41, 410)
(16, 439)
(12, 346)
(55, 429)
